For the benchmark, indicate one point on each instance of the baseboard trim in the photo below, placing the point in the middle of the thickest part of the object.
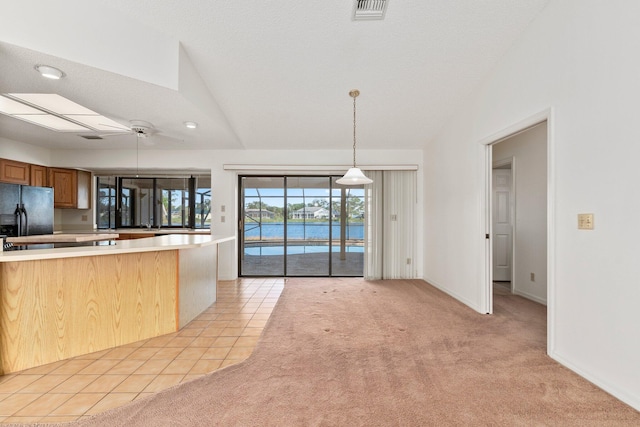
(537, 299)
(460, 298)
(618, 393)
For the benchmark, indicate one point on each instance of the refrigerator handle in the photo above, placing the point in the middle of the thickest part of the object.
(18, 214)
(26, 220)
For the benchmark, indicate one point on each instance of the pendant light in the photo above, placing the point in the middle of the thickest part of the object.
(354, 175)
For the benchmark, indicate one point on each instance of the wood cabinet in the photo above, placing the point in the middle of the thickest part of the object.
(38, 175)
(54, 309)
(71, 188)
(14, 172)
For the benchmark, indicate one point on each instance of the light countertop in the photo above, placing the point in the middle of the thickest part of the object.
(150, 244)
(62, 238)
(198, 231)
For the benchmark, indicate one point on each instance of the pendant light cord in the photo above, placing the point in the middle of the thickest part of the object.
(354, 93)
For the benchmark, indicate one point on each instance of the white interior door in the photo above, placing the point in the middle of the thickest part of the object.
(502, 218)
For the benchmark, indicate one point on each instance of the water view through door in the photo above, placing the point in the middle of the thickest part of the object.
(300, 226)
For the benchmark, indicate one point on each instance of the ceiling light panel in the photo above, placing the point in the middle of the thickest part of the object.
(9, 106)
(56, 112)
(98, 122)
(53, 102)
(52, 122)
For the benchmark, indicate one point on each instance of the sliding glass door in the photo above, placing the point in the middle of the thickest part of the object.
(308, 226)
(347, 244)
(262, 230)
(300, 226)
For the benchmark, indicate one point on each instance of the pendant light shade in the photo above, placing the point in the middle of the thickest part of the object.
(354, 175)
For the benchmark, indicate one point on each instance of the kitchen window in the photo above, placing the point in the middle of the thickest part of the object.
(153, 202)
(106, 203)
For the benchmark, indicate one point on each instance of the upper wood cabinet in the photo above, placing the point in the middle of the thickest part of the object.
(38, 176)
(14, 172)
(71, 188)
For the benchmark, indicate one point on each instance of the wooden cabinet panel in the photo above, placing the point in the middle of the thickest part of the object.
(14, 172)
(55, 309)
(38, 176)
(65, 187)
(71, 188)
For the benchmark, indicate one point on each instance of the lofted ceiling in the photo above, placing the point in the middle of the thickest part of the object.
(272, 74)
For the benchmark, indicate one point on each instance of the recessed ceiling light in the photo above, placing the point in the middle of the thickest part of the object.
(191, 125)
(49, 72)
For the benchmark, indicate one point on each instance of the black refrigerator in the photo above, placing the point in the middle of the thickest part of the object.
(25, 210)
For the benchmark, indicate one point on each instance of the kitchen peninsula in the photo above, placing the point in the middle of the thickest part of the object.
(64, 302)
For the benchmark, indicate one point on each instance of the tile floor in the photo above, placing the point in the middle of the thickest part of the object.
(226, 333)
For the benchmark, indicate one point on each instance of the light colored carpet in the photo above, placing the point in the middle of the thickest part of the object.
(346, 352)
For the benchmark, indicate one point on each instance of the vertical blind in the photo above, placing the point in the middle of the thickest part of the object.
(390, 231)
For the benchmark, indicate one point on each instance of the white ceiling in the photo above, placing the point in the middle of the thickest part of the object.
(273, 74)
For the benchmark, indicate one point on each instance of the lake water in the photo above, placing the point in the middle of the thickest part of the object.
(301, 231)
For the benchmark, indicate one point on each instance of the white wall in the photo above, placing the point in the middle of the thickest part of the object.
(577, 58)
(529, 153)
(23, 152)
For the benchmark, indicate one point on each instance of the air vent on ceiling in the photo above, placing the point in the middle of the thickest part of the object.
(369, 9)
(91, 136)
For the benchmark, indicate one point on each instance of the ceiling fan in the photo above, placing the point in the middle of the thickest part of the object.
(143, 130)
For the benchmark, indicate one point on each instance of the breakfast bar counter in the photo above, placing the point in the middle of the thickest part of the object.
(65, 302)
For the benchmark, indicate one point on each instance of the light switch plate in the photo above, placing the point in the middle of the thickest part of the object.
(585, 221)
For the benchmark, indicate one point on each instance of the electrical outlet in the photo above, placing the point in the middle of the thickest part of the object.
(222, 208)
(84, 218)
(222, 218)
(408, 261)
(533, 277)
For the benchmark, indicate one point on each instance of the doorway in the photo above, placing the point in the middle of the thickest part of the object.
(502, 222)
(519, 213)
